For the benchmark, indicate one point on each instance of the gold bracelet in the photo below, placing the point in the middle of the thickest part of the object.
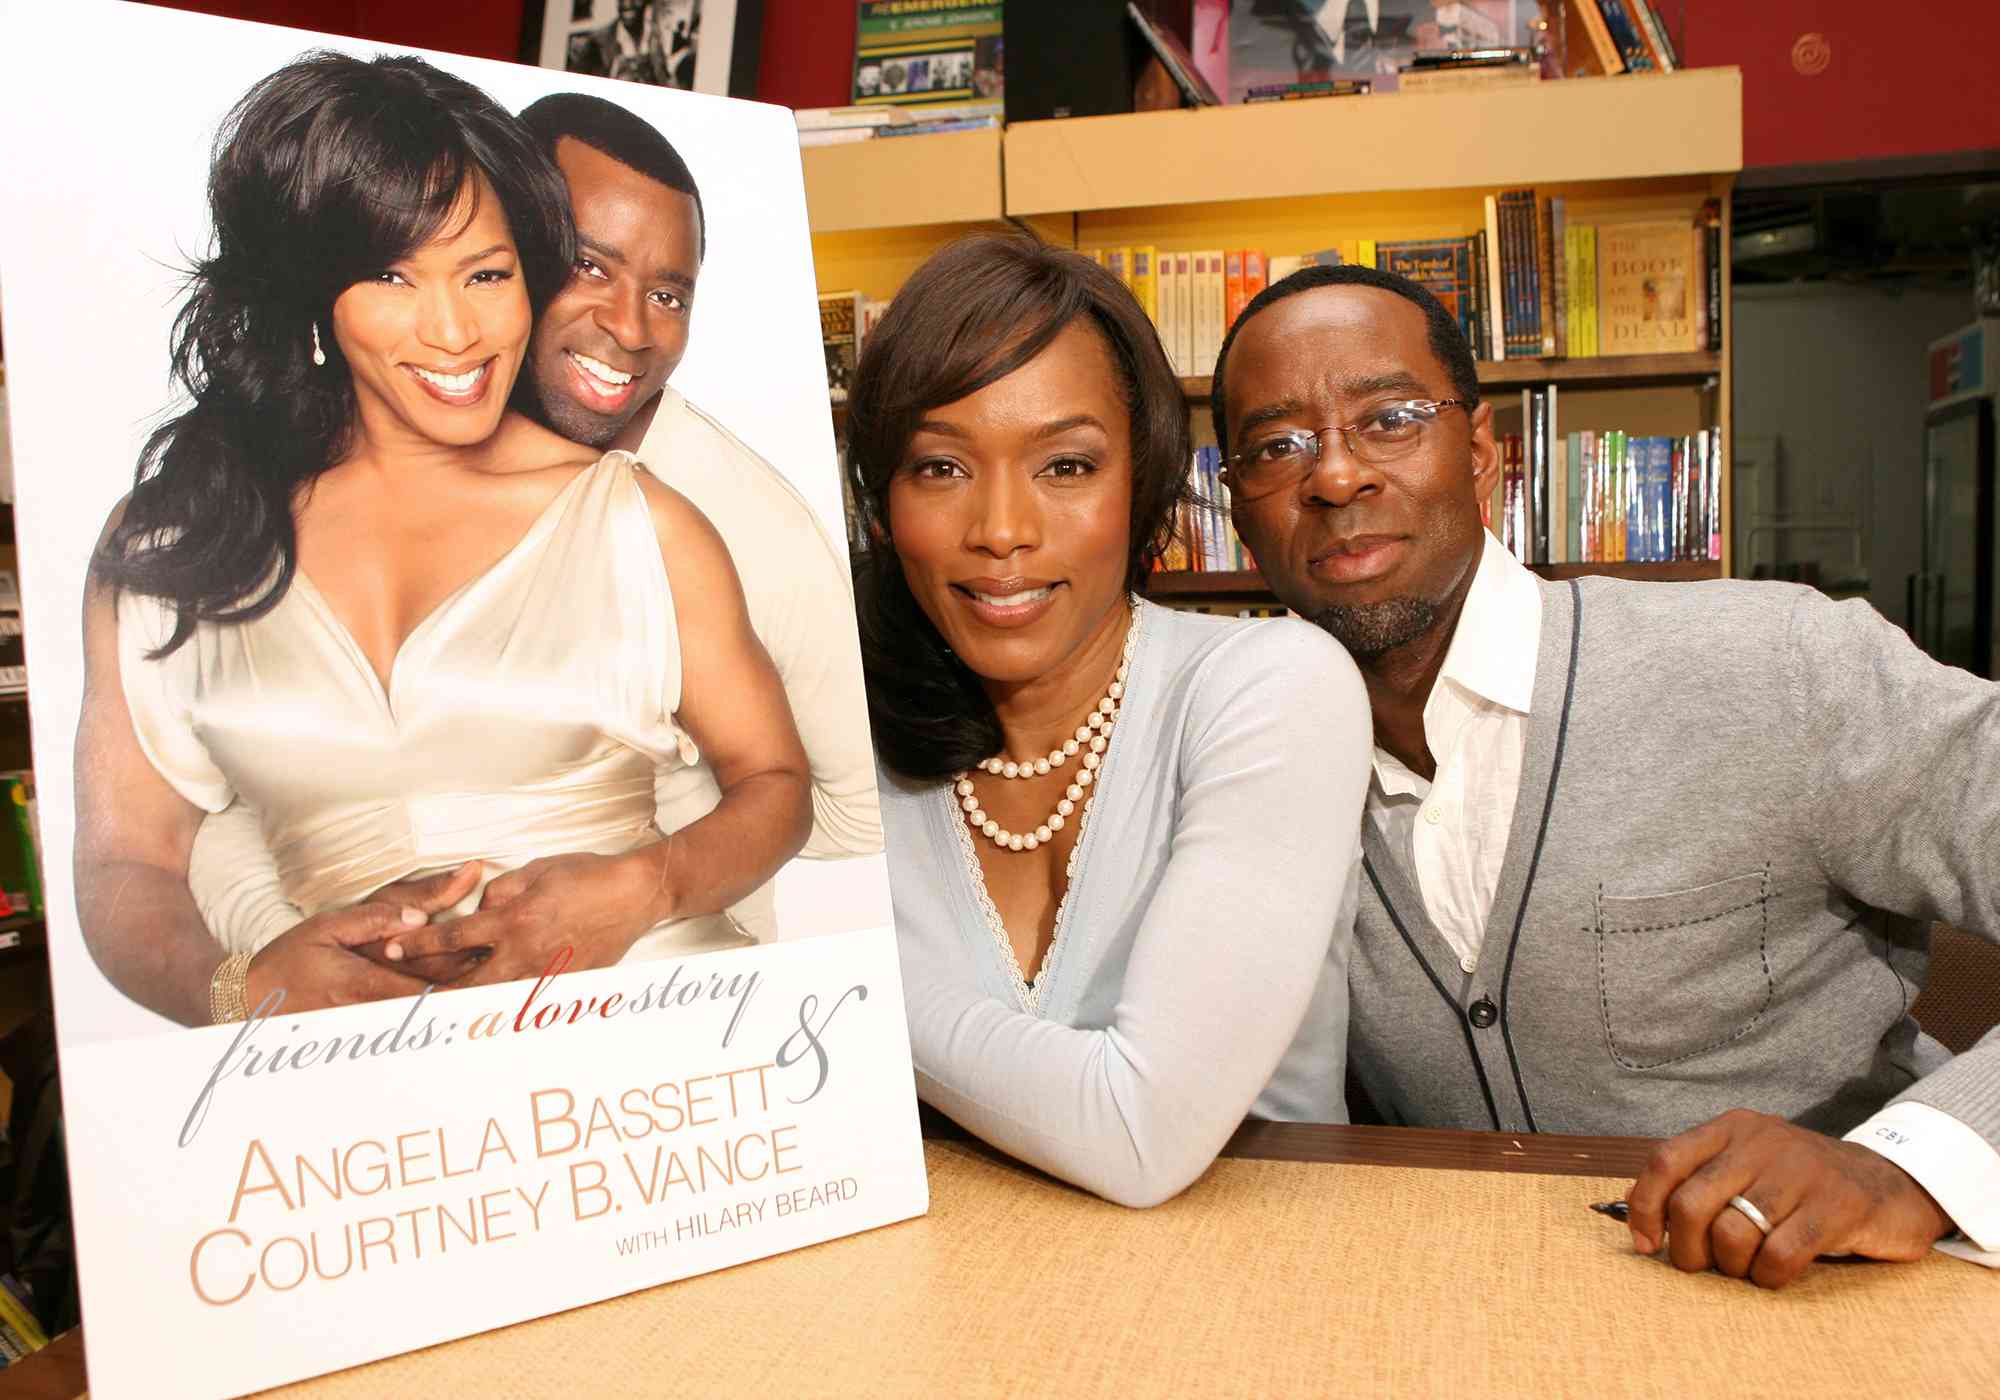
(226, 990)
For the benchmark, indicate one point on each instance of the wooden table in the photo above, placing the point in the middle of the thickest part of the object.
(1312, 1260)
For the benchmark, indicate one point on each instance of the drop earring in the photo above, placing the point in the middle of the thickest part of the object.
(319, 355)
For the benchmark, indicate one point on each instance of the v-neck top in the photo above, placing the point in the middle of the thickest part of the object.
(1200, 966)
(527, 715)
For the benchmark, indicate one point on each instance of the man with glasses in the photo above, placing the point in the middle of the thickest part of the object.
(1639, 858)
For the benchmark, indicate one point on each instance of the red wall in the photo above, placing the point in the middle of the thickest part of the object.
(1901, 77)
(485, 30)
(807, 57)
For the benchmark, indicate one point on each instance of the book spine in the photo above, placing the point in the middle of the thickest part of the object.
(1482, 324)
(1465, 284)
(1118, 262)
(1496, 320)
(1711, 233)
(1364, 252)
(1626, 36)
(1516, 517)
(1253, 274)
(1545, 277)
(1654, 33)
(1218, 520)
(1587, 268)
(1511, 279)
(1232, 288)
(1559, 271)
(1144, 285)
(1573, 292)
(1183, 292)
(1635, 513)
(1611, 518)
(1608, 56)
(1573, 487)
(1530, 286)
(1716, 447)
(1215, 311)
(1558, 497)
(1544, 505)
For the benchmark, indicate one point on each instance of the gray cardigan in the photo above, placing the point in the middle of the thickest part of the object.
(1200, 965)
(1740, 803)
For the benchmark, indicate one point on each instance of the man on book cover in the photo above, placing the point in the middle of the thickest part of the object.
(1641, 858)
(598, 369)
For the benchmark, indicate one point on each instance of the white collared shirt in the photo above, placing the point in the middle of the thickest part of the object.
(1455, 829)
(1476, 725)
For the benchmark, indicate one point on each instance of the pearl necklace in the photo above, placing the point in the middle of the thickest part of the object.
(1091, 739)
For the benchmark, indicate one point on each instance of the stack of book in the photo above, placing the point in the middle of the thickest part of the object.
(835, 126)
(1205, 539)
(1605, 496)
(1463, 70)
(1531, 284)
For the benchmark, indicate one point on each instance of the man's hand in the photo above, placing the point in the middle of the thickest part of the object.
(596, 906)
(1820, 1195)
(338, 958)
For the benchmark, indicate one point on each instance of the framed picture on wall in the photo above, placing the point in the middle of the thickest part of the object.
(695, 45)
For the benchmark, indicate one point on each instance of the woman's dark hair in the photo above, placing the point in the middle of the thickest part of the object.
(975, 312)
(326, 172)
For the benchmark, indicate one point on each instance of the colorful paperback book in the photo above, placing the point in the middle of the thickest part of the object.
(298, 1160)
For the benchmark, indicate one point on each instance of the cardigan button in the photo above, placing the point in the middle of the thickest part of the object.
(1483, 1013)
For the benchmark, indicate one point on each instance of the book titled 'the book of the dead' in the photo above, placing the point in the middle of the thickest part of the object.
(1648, 279)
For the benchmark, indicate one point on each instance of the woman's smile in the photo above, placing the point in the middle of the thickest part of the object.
(1013, 602)
(463, 388)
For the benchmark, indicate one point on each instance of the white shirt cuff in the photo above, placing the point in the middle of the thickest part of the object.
(1957, 1166)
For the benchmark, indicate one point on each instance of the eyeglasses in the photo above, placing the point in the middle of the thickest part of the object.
(1286, 458)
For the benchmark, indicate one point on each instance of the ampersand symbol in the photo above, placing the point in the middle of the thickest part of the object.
(791, 1052)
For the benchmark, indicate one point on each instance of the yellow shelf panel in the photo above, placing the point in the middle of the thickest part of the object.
(950, 177)
(1633, 127)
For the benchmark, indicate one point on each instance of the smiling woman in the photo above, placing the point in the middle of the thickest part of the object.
(345, 593)
(1123, 841)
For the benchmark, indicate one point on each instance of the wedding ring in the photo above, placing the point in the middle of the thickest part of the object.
(1751, 1213)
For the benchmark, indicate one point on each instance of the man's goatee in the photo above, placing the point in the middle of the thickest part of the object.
(1370, 629)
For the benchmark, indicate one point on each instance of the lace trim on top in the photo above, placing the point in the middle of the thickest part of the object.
(1029, 994)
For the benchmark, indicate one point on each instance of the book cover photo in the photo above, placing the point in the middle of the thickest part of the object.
(464, 879)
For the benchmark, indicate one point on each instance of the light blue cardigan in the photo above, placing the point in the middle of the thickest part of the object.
(1200, 967)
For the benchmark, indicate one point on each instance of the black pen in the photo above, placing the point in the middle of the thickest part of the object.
(1617, 1210)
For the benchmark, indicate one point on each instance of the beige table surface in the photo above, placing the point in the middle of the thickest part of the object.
(1266, 1278)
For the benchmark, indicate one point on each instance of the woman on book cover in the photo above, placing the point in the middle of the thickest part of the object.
(1123, 840)
(419, 634)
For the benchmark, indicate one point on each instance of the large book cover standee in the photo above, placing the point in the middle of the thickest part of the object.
(274, 1198)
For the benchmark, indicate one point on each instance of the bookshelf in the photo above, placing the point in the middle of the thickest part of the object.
(1289, 177)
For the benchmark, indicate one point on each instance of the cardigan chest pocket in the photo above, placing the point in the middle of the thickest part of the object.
(1683, 972)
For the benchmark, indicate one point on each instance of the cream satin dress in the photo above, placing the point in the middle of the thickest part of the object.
(529, 714)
